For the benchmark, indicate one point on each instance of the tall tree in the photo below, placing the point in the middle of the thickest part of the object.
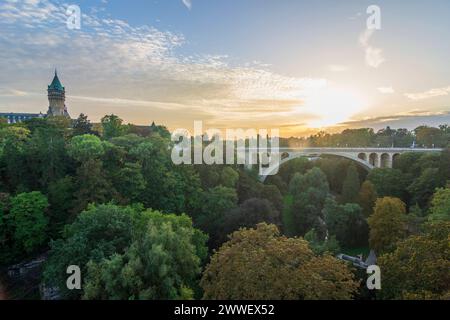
(300, 165)
(215, 203)
(444, 164)
(163, 263)
(229, 177)
(92, 185)
(12, 151)
(46, 155)
(419, 266)
(250, 213)
(61, 199)
(29, 220)
(248, 187)
(387, 224)
(112, 126)
(260, 264)
(91, 181)
(347, 223)
(130, 183)
(388, 182)
(430, 137)
(440, 205)
(82, 126)
(96, 234)
(309, 192)
(423, 188)
(273, 194)
(86, 147)
(168, 188)
(351, 185)
(367, 198)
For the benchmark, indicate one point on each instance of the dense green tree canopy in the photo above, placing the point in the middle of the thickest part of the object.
(83, 169)
(112, 126)
(250, 213)
(387, 224)
(86, 147)
(82, 126)
(318, 246)
(367, 197)
(215, 205)
(116, 248)
(440, 205)
(347, 223)
(388, 182)
(351, 186)
(29, 220)
(261, 264)
(419, 267)
(424, 186)
(309, 192)
(162, 263)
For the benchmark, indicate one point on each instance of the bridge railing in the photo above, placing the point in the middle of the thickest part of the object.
(338, 149)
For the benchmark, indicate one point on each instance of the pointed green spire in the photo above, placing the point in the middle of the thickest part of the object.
(56, 84)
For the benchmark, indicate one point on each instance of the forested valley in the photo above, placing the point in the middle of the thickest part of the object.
(107, 198)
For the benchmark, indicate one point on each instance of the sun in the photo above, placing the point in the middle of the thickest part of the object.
(332, 106)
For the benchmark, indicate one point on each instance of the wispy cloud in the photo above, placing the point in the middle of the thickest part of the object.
(188, 4)
(374, 56)
(428, 94)
(337, 68)
(386, 90)
(6, 92)
(409, 120)
(110, 62)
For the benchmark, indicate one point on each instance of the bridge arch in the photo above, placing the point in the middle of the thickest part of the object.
(374, 159)
(270, 171)
(395, 158)
(368, 158)
(362, 156)
(385, 159)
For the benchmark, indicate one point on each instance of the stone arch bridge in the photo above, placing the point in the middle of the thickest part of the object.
(368, 158)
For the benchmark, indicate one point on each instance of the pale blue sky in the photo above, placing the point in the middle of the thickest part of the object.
(299, 65)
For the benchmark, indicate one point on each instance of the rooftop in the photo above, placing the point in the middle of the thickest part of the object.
(56, 84)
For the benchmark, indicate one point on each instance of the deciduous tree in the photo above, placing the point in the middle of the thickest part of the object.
(347, 223)
(351, 186)
(388, 182)
(29, 220)
(440, 205)
(367, 198)
(260, 264)
(112, 126)
(163, 263)
(309, 192)
(419, 266)
(387, 224)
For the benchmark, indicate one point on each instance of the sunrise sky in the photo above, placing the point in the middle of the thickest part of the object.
(295, 65)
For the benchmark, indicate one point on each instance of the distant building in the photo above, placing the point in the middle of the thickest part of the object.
(19, 117)
(57, 98)
(57, 104)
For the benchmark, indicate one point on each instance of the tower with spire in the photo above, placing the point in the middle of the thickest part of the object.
(57, 98)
